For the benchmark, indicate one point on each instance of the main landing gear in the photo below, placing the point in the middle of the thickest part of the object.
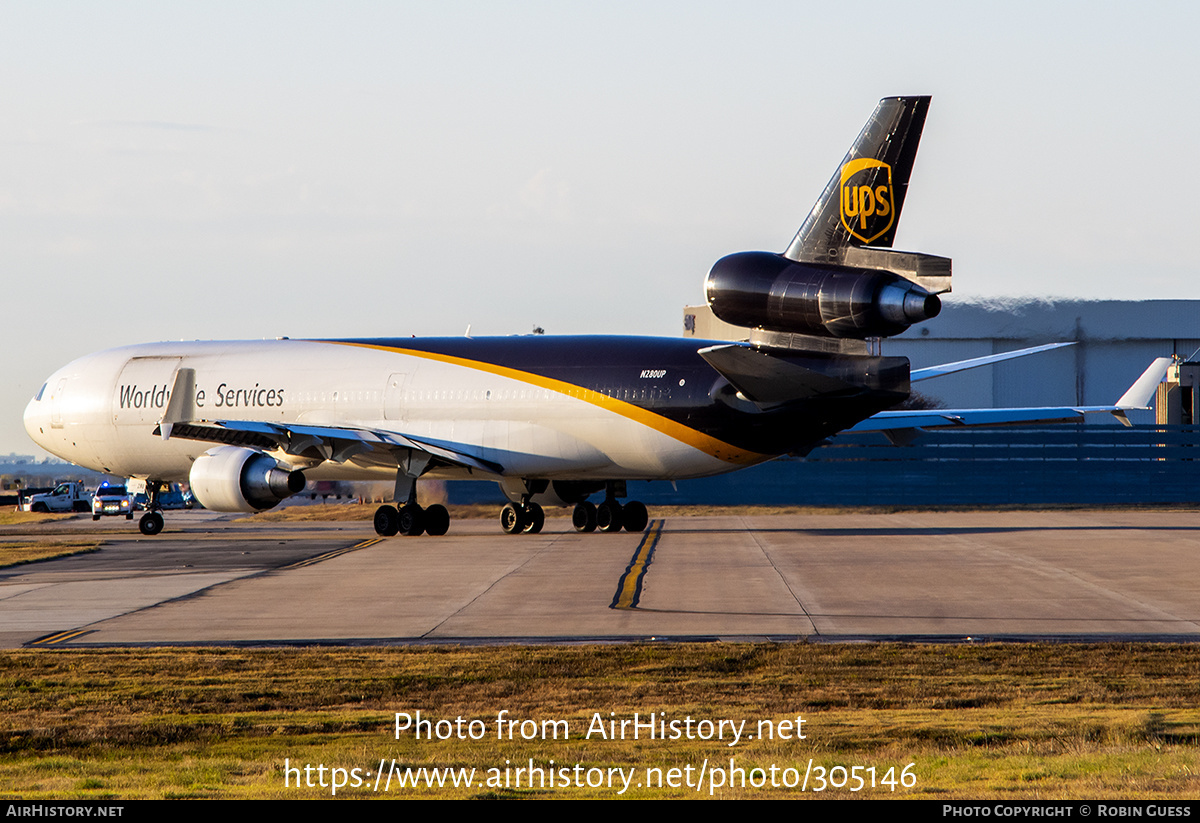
(527, 517)
(412, 520)
(522, 518)
(409, 518)
(610, 516)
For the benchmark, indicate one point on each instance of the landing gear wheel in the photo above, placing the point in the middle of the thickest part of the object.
(129, 516)
(150, 524)
(411, 520)
(387, 521)
(584, 517)
(512, 519)
(535, 518)
(95, 517)
(608, 516)
(635, 516)
(437, 520)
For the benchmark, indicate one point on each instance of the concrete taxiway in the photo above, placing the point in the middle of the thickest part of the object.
(919, 575)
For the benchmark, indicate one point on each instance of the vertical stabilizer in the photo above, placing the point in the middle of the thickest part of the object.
(861, 204)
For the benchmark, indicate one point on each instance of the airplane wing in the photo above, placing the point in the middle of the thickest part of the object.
(895, 423)
(334, 443)
(768, 378)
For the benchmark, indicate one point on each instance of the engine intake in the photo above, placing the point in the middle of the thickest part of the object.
(234, 479)
(760, 289)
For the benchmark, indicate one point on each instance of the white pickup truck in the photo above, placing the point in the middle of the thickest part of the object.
(66, 497)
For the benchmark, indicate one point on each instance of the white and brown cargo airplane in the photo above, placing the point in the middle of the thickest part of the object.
(555, 420)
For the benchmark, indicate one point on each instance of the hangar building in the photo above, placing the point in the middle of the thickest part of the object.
(1101, 463)
(1115, 341)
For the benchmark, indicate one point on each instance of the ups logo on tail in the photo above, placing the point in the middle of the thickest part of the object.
(866, 198)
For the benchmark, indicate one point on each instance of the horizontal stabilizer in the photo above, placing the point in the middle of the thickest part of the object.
(956, 418)
(1136, 397)
(767, 379)
(976, 362)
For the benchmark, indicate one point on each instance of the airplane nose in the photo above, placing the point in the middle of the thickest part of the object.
(37, 417)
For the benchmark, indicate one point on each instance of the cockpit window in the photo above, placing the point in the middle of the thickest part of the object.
(41, 391)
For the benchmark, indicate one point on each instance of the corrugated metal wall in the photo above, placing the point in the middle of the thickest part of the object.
(1116, 340)
(1046, 465)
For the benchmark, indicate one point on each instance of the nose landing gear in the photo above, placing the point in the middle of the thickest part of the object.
(151, 523)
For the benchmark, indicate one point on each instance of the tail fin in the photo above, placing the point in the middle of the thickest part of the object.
(840, 277)
(861, 204)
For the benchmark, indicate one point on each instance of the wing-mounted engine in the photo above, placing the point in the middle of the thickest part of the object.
(840, 278)
(235, 479)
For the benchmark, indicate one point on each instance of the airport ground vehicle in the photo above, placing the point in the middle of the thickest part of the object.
(172, 497)
(66, 497)
(111, 500)
(554, 420)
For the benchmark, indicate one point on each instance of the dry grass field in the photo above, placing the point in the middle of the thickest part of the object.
(989, 721)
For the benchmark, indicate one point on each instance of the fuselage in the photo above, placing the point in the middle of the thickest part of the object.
(553, 419)
(539, 407)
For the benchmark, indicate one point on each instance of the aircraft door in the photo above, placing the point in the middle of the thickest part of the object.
(394, 406)
(56, 404)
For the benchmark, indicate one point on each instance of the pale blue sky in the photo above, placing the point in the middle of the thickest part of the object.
(240, 170)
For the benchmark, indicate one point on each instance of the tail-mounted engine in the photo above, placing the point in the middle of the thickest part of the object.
(840, 277)
(759, 289)
(234, 479)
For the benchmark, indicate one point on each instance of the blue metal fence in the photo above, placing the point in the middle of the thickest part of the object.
(1072, 464)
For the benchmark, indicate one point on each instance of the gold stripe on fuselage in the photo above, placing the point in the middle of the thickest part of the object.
(684, 434)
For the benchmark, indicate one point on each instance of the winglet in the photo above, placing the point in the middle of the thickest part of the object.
(179, 406)
(1139, 394)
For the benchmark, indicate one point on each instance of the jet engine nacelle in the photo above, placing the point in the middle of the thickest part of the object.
(761, 289)
(233, 479)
